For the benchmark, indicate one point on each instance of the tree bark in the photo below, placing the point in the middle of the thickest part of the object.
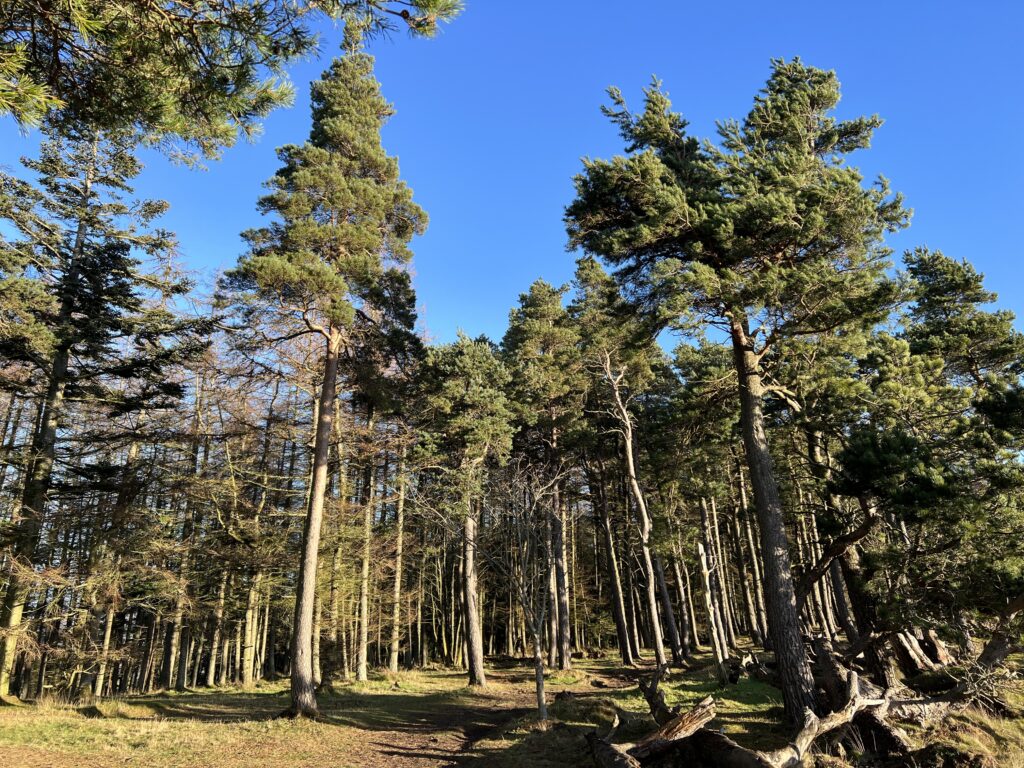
(614, 578)
(303, 685)
(668, 612)
(780, 594)
(474, 632)
(369, 499)
(396, 605)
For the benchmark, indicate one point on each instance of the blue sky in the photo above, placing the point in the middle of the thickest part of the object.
(494, 115)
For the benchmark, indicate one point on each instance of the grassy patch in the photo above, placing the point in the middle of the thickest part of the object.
(418, 718)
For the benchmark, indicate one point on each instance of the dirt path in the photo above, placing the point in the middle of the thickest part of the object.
(427, 719)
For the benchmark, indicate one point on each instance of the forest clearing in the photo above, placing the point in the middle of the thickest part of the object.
(430, 718)
(740, 486)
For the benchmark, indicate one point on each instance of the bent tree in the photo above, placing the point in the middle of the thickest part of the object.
(767, 235)
(346, 220)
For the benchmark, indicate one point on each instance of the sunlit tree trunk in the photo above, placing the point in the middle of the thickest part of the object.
(303, 684)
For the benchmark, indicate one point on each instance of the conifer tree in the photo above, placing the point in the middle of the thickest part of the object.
(541, 351)
(466, 423)
(767, 235)
(178, 71)
(328, 265)
(74, 297)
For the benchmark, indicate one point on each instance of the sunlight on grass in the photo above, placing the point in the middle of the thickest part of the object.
(423, 717)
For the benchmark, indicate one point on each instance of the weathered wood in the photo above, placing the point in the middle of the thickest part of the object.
(711, 749)
(680, 727)
(880, 736)
(936, 648)
(814, 727)
(1002, 642)
(608, 755)
(656, 699)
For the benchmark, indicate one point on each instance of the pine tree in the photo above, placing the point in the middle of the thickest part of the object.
(540, 348)
(197, 74)
(767, 235)
(77, 312)
(466, 423)
(346, 220)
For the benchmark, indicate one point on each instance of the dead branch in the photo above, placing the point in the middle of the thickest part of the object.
(680, 727)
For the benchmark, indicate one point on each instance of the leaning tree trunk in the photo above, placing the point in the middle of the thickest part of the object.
(780, 593)
(614, 577)
(29, 525)
(626, 426)
(717, 644)
(303, 686)
(43, 448)
(1001, 644)
(667, 612)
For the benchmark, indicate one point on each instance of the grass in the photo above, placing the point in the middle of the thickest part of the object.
(420, 718)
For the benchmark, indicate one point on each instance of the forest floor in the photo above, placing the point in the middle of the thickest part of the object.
(421, 718)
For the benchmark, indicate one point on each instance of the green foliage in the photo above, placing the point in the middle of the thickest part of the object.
(345, 218)
(72, 278)
(770, 223)
(466, 418)
(200, 74)
(541, 351)
(947, 320)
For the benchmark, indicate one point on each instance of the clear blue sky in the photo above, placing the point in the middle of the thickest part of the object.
(494, 115)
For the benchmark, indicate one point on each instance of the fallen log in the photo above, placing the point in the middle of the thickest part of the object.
(607, 755)
(711, 749)
(680, 727)
(682, 738)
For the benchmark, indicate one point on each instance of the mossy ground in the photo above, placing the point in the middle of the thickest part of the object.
(421, 718)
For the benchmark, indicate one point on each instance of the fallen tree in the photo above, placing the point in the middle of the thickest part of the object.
(682, 738)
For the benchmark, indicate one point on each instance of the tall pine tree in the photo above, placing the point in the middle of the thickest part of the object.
(767, 235)
(329, 263)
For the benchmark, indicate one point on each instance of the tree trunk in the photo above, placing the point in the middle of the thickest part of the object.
(538, 670)
(101, 671)
(780, 594)
(717, 649)
(561, 582)
(303, 686)
(618, 603)
(470, 601)
(249, 647)
(396, 605)
(369, 501)
(218, 628)
(39, 468)
(667, 612)
(30, 519)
